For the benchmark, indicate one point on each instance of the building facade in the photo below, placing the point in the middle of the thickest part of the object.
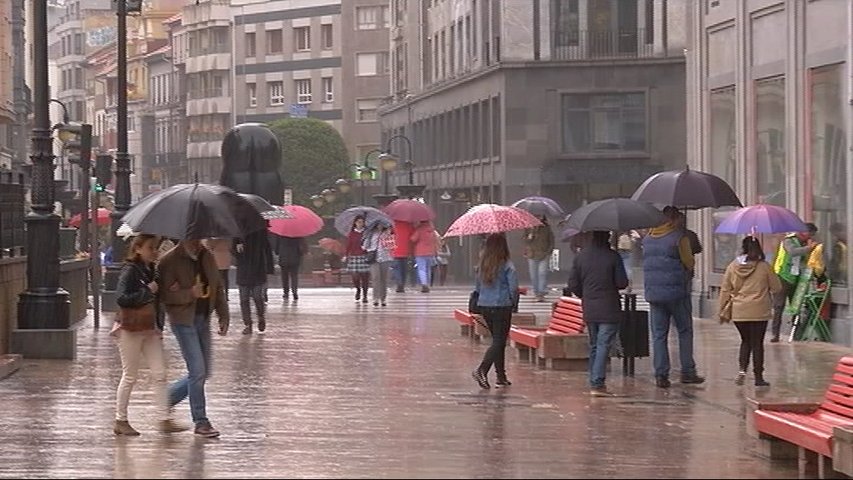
(769, 111)
(366, 74)
(577, 100)
(287, 60)
(7, 93)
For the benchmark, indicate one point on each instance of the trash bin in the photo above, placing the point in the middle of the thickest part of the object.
(633, 333)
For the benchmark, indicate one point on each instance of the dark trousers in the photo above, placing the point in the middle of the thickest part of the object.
(498, 320)
(224, 275)
(779, 305)
(399, 267)
(290, 280)
(256, 293)
(751, 343)
(438, 270)
(361, 282)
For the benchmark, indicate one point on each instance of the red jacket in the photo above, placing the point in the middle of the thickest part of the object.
(402, 233)
(425, 240)
(354, 240)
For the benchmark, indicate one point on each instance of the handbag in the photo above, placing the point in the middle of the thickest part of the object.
(725, 313)
(473, 300)
(138, 319)
(371, 256)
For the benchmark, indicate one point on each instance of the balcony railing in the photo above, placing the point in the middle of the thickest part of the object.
(206, 93)
(602, 44)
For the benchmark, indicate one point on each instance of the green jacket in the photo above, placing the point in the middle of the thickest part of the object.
(539, 242)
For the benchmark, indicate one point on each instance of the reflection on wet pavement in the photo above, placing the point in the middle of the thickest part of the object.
(335, 389)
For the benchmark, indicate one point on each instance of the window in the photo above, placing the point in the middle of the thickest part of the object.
(770, 140)
(723, 158)
(303, 90)
(327, 36)
(372, 18)
(274, 39)
(366, 109)
(276, 92)
(328, 90)
(400, 67)
(565, 23)
(828, 188)
(250, 45)
(371, 63)
(252, 93)
(605, 122)
(302, 38)
(650, 22)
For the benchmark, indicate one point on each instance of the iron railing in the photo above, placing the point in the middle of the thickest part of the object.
(602, 44)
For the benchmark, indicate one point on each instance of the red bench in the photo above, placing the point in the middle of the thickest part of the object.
(563, 344)
(809, 426)
(472, 324)
(466, 321)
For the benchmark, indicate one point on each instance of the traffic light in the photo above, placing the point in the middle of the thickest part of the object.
(103, 172)
(76, 139)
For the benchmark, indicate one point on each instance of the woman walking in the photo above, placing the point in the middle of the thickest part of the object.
(745, 299)
(425, 245)
(442, 260)
(356, 259)
(497, 283)
(139, 329)
(380, 239)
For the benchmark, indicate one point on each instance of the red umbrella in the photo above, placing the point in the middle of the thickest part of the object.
(331, 245)
(412, 211)
(304, 222)
(103, 218)
(490, 218)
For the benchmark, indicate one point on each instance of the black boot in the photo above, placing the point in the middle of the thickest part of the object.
(502, 381)
(364, 295)
(759, 380)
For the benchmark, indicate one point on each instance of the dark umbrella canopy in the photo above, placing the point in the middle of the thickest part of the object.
(688, 189)
(614, 214)
(372, 217)
(265, 208)
(195, 211)
(540, 206)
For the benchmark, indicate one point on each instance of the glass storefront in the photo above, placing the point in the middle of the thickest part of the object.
(723, 163)
(827, 191)
(770, 167)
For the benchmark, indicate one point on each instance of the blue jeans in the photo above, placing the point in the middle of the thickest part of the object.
(538, 275)
(194, 341)
(660, 314)
(399, 268)
(601, 337)
(424, 266)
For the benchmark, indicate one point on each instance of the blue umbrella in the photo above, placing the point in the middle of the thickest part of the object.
(761, 219)
(345, 219)
(540, 206)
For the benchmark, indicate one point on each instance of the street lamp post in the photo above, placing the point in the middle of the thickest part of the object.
(44, 305)
(411, 190)
(122, 159)
(365, 171)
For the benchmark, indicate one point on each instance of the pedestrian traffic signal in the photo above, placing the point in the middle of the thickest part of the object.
(103, 172)
(76, 140)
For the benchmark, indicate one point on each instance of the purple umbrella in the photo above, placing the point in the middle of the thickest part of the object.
(761, 219)
(540, 206)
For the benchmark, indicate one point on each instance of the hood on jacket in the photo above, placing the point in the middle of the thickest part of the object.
(744, 267)
(662, 230)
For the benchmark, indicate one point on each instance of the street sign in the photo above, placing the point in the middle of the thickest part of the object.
(298, 110)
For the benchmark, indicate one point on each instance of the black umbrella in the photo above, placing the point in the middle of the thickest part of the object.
(265, 208)
(614, 214)
(687, 189)
(195, 211)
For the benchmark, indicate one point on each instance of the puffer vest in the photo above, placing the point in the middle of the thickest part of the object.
(665, 276)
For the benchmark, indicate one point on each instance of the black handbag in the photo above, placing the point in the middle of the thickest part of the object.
(473, 299)
(371, 257)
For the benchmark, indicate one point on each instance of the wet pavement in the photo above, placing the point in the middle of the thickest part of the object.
(336, 389)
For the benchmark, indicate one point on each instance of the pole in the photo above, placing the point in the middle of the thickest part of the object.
(95, 258)
(44, 305)
(122, 160)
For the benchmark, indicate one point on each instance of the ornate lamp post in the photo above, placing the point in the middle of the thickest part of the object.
(411, 190)
(122, 158)
(44, 305)
(365, 171)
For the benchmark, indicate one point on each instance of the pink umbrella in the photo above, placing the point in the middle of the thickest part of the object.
(411, 211)
(491, 218)
(103, 218)
(304, 222)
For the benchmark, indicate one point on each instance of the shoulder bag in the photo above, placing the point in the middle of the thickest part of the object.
(138, 319)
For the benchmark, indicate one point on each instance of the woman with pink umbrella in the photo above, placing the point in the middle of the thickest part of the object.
(356, 259)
